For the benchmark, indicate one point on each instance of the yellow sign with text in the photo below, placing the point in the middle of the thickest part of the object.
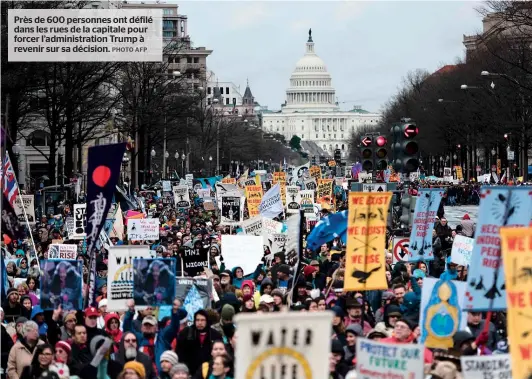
(365, 268)
(315, 172)
(229, 180)
(516, 246)
(324, 193)
(253, 198)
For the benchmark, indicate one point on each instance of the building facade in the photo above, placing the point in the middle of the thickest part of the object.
(311, 111)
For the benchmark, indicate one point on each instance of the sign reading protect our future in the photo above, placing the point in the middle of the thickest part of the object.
(271, 345)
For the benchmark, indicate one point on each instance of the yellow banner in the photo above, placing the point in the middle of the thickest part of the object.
(282, 187)
(365, 268)
(315, 172)
(458, 170)
(279, 177)
(229, 180)
(499, 167)
(516, 246)
(324, 193)
(253, 197)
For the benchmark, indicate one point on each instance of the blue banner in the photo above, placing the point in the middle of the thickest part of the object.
(425, 212)
(328, 228)
(499, 206)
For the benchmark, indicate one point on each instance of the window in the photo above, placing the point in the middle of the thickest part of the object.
(196, 59)
(38, 138)
(343, 147)
(226, 101)
(167, 11)
(335, 138)
(168, 34)
(317, 136)
(94, 6)
(209, 101)
(227, 90)
(222, 90)
(208, 90)
(234, 100)
(302, 127)
(302, 136)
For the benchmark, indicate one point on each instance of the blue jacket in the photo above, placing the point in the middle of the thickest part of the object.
(164, 338)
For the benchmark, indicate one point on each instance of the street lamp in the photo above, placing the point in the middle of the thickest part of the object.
(210, 161)
(493, 152)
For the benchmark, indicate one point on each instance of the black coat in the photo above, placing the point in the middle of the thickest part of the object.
(191, 351)
(120, 357)
(7, 344)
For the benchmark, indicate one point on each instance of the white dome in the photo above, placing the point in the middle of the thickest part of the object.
(310, 63)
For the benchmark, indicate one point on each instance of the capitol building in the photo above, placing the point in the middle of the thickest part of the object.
(311, 111)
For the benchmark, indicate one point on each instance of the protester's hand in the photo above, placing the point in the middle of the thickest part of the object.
(130, 304)
(482, 338)
(57, 313)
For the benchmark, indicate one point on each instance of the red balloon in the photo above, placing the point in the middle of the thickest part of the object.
(101, 175)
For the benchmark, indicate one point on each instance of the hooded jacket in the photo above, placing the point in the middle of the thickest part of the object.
(120, 357)
(191, 350)
(116, 334)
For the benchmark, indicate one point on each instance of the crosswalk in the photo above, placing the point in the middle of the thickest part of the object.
(455, 214)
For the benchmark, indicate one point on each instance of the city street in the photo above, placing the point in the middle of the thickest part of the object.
(456, 213)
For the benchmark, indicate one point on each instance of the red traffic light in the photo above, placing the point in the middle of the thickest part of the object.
(366, 141)
(410, 130)
(381, 141)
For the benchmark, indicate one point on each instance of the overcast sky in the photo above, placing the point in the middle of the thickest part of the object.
(368, 47)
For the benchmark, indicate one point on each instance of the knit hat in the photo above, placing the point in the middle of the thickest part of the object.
(338, 311)
(137, 367)
(21, 320)
(102, 303)
(412, 324)
(11, 290)
(170, 357)
(356, 329)
(227, 312)
(308, 270)
(180, 367)
(69, 316)
(277, 292)
(65, 346)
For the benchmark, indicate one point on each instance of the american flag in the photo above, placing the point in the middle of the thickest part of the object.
(9, 181)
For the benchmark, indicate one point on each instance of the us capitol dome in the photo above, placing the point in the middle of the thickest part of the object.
(311, 110)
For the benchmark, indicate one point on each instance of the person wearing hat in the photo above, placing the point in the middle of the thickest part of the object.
(11, 306)
(168, 360)
(337, 352)
(102, 308)
(91, 315)
(272, 302)
(403, 332)
(284, 279)
(386, 298)
(354, 313)
(352, 332)
(128, 351)
(338, 325)
(179, 371)
(226, 317)
(134, 370)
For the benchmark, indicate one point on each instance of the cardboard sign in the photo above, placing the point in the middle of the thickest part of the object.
(144, 229)
(80, 221)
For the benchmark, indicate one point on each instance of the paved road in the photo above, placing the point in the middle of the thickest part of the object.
(456, 213)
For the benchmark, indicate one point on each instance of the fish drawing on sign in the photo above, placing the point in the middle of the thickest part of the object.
(362, 276)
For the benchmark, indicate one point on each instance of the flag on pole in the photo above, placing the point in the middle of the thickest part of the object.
(9, 181)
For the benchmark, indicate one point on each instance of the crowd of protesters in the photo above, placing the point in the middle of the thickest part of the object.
(137, 344)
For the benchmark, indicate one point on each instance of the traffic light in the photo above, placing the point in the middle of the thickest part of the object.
(381, 153)
(366, 152)
(313, 160)
(408, 206)
(405, 148)
(338, 156)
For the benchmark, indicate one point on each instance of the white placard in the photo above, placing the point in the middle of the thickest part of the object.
(120, 274)
(25, 202)
(252, 226)
(273, 342)
(389, 360)
(190, 180)
(374, 187)
(293, 199)
(181, 197)
(167, 186)
(143, 229)
(80, 221)
(496, 366)
(363, 176)
(69, 226)
(62, 251)
(462, 250)
(243, 251)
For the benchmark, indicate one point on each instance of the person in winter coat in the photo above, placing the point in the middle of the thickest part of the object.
(128, 351)
(387, 298)
(6, 345)
(21, 354)
(404, 333)
(194, 343)
(205, 370)
(81, 354)
(354, 314)
(12, 308)
(352, 332)
(392, 313)
(41, 361)
(168, 360)
(112, 327)
(226, 317)
(476, 325)
(37, 315)
(468, 226)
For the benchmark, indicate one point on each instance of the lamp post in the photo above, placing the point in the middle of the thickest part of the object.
(17, 150)
(176, 156)
(125, 161)
(183, 157)
(165, 157)
(153, 153)
(210, 161)
(61, 152)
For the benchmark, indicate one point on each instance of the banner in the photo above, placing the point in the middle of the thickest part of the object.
(271, 205)
(254, 198)
(461, 250)
(62, 251)
(427, 205)
(103, 173)
(328, 228)
(516, 244)
(366, 236)
(294, 199)
(195, 260)
(143, 229)
(496, 366)
(61, 283)
(69, 226)
(441, 312)
(120, 274)
(296, 339)
(153, 281)
(315, 172)
(252, 226)
(499, 206)
(310, 185)
(324, 193)
(232, 209)
(181, 197)
(80, 221)
(229, 180)
(389, 360)
(25, 202)
(195, 294)
(243, 251)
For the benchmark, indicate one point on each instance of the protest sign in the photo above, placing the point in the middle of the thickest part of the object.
(143, 229)
(194, 260)
(80, 221)
(496, 366)
(387, 360)
(324, 192)
(25, 203)
(195, 294)
(315, 172)
(120, 274)
(232, 211)
(427, 205)
(269, 344)
(366, 234)
(181, 196)
(271, 204)
(294, 199)
(61, 283)
(441, 312)
(516, 244)
(62, 251)
(69, 226)
(461, 251)
(252, 226)
(243, 251)
(153, 281)
(253, 199)
(499, 206)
